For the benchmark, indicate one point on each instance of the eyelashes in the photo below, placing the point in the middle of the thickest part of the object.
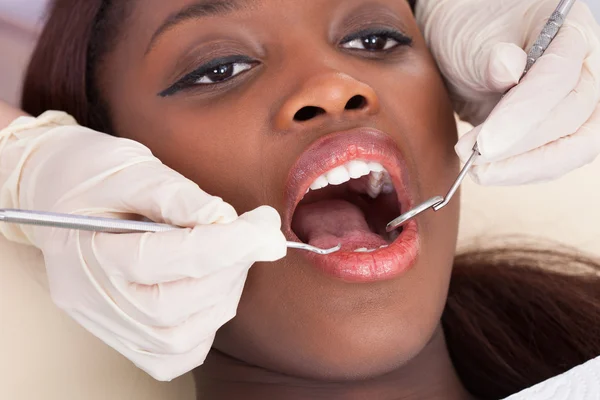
(376, 40)
(221, 70)
(213, 72)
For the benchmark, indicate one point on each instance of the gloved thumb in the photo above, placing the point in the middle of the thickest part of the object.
(464, 147)
(269, 243)
(506, 64)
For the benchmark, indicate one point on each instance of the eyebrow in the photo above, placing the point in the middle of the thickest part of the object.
(198, 10)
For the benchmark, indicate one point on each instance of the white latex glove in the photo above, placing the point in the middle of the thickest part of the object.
(157, 298)
(548, 125)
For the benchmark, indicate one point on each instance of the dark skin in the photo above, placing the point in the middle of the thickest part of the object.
(297, 330)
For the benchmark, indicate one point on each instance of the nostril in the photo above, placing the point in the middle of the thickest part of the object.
(308, 113)
(356, 103)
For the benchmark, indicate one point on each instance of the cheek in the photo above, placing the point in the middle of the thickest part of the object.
(429, 128)
(431, 139)
(428, 142)
(223, 152)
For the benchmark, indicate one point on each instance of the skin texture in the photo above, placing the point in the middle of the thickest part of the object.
(238, 140)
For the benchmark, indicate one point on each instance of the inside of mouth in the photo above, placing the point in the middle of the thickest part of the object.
(350, 214)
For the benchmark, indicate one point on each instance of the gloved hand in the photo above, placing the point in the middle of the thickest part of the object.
(157, 298)
(548, 125)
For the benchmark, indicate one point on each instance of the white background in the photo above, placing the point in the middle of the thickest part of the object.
(595, 5)
(19, 23)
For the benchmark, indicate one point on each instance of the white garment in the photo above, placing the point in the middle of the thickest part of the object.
(580, 383)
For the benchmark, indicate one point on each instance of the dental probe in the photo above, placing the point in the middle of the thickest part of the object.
(540, 46)
(111, 225)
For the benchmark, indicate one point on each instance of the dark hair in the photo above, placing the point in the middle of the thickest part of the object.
(511, 319)
(516, 316)
(70, 50)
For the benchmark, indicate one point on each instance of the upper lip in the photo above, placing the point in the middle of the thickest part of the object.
(338, 148)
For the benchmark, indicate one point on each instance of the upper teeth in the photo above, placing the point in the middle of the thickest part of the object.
(379, 178)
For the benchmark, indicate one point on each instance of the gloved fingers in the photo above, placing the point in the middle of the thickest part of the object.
(547, 84)
(162, 367)
(187, 335)
(166, 367)
(149, 259)
(569, 115)
(464, 146)
(170, 366)
(170, 304)
(505, 67)
(163, 195)
(155, 333)
(84, 159)
(545, 163)
(479, 94)
(153, 329)
(267, 222)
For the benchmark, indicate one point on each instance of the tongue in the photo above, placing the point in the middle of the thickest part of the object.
(328, 223)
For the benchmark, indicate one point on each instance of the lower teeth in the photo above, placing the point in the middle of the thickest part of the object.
(365, 250)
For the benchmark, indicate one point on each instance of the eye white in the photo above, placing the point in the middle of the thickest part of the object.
(237, 69)
(360, 45)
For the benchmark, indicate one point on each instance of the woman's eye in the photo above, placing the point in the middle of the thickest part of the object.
(375, 41)
(212, 73)
(222, 72)
(372, 43)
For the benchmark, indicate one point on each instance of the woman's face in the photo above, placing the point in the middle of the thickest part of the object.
(259, 100)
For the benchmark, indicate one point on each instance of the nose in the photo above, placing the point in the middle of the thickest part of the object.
(327, 95)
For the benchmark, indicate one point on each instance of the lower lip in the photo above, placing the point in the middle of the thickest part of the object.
(382, 264)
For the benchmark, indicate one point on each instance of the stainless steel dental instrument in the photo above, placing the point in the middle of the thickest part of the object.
(541, 44)
(110, 225)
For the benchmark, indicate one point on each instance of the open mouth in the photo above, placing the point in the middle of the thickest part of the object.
(344, 190)
(350, 204)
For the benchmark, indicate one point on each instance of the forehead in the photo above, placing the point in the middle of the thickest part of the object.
(153, 18)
